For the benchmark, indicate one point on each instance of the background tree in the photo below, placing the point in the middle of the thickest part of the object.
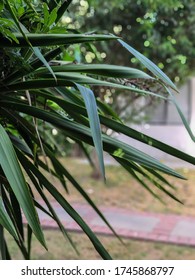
(162, 30)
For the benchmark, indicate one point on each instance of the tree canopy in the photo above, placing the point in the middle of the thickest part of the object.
(163, 31)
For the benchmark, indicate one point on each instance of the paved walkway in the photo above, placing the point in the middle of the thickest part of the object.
(174, 229)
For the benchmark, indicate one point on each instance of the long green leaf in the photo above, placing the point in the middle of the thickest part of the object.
(35, 64)
(118, 127)
(128, 131)
(17, 213)
(64, 171)
(57, 174)
(160, 177)
(149, 64)
(86, 153)
(153, 178)
(16, 141)
(29, 240)
(69, 79)
(173, 99)
(13, 172)
(68, 208)
(121, 128)
(16, 219)
(83, 133)
(94, 121)
(38, 53)
(5, 220)
(113, 71)
(2, 243)
(109, 149)
(80, 132)
(53, 214)
(130, 169)
(38, 40)
(61, 170)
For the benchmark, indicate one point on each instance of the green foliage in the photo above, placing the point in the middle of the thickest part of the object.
(163, 31)
(41, 92)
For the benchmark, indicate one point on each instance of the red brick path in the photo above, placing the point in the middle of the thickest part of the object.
(165, 229)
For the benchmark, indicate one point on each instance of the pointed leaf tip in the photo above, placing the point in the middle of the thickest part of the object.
(149, 65)
(94, 122)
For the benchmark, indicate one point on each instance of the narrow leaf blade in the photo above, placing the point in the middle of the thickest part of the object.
(94, 121)
(13, 172)
(149, 64)
(5, 220)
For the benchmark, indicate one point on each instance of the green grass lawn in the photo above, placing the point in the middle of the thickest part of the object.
(60, 249)
(122, 191)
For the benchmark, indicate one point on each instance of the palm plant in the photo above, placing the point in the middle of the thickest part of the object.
(38, 88)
